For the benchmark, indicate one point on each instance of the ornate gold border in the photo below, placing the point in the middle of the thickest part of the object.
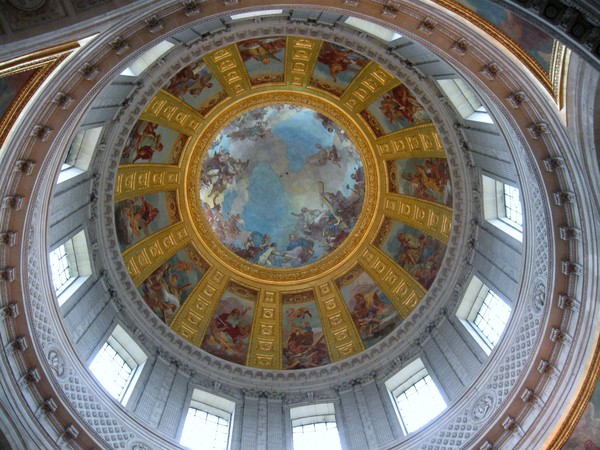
(45, 61)
(252, 271)
(525, 57)
(573, 414)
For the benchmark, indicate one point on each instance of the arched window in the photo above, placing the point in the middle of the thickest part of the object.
(314, 427)
(502, 206)
(208, 422)
(69, 266)
(417, 398)
(484, 314)
(118, 364)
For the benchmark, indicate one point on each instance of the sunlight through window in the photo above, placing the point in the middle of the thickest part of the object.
(512, 206)
(208, 422)
(492, 317)
(112, 371)
(314, 427)
(61, 269)
(203, 430)
(420, 403)
(315, 436)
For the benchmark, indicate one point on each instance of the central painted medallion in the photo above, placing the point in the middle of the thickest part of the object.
(282, 186)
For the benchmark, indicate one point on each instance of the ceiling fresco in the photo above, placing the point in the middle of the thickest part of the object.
(283, 203)
(282, 186)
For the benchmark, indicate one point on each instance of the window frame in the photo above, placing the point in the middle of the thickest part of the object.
(494, 206)
(130, 351)
(473, 300)
(210, 404)
(80, 154)
(405, 379)
(302, 416)
(78, 257)
(464, 100)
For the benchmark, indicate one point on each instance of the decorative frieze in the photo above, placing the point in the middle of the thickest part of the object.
(430, 217)
(62, 100)
(571, 268)
(8, 238)
(190, 8)
(154, 24)
(421, 141)
(427, 26)
(300, 61)
(41, 132)
(119, 45)
(14, 202)
(537, 129)
(553, 163)
(89, 71)
(557, 335)
(568, 233)
(49, 405)
(371, 83)
(460, 46)
(32, 376)
(7, 274)
(491, 70)
(10, 310)
(25, 166)
(566, 302)
(517, 98)
(563, 197)
(19, 344)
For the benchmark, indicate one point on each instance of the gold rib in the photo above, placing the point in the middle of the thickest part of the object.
(403, 290)
(370, 84)
(265, 343)
(342, 337)
(193, 318)
(168, 111)
(227, 66)
(142, 258)
(301, 58)
(142, 179)
(421, 141)
(432, 218)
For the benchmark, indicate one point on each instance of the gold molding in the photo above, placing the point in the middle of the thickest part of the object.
(227, 66)
(45, 61)
(167, 110)
(432, 218)
(193, 204)
(301, 58)
(142, 258)
(370, 84)
(343, 339)
(486, 26)
(404, 291)
(266, 347)
(420, 141)
(573, 415)
(194, 316)
(141, 179)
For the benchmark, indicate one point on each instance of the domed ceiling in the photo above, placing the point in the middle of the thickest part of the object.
(283, 203)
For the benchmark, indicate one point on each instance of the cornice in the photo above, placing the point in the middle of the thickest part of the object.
(542, 260)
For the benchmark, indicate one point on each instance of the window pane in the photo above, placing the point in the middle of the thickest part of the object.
(112, 371)
(59, 266)
(420, 403)
(203, 430)
(315, 436)
(492, 317)
(512, 206)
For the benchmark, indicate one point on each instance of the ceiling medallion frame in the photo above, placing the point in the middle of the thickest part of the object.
(362, 232)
